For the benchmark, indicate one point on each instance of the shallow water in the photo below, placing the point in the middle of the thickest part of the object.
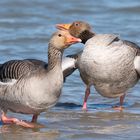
(25, 28)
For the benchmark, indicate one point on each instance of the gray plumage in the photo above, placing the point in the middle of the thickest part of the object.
(14, 69)
(108, 63)
(37, 88)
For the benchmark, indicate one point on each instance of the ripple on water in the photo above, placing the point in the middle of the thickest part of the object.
(25, 28)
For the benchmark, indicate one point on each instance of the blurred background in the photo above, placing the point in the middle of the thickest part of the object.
(25, 29)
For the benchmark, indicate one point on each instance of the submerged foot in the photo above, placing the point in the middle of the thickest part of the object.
(7, 120)
(25, 124)
(120, 108)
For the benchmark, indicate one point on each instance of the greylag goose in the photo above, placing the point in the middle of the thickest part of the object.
(110, 64)
(39, 89)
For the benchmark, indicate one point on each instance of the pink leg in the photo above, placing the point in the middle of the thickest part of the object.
(120, 108)
(122, 99)
(34, 122)
(34, 118)
(7, 120)
(87, 93)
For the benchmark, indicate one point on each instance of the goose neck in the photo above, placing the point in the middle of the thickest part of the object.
(54, 57)
(85, 35)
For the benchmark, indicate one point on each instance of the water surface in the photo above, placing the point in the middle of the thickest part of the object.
(25, 28)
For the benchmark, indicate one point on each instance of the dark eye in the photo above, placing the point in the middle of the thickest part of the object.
(59, 35)
(76, 24)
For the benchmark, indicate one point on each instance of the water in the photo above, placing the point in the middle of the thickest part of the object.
(25, 28)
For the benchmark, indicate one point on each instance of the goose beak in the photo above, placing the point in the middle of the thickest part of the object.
(72, 40)
(63, 26)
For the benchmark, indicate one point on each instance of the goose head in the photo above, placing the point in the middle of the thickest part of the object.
(62, 40)
(78, 29)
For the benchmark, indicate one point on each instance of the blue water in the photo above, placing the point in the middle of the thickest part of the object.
(25, 28)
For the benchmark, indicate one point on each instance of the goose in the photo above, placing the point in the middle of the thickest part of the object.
(109, 63)
(38, 90)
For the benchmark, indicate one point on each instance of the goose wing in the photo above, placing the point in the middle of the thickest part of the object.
(12, 70)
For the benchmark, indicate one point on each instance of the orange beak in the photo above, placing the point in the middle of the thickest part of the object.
(63, 26)
(72, 40)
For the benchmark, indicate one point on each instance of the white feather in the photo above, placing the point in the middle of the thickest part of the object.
(68, 62)
(11, 82)
(137, 63)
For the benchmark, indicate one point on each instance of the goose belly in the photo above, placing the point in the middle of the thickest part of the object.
(46, 97)
(31, 95)
(110, 69)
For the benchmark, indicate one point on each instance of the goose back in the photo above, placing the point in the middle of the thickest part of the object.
(13, 69)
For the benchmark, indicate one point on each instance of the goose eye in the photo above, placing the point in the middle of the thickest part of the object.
(59, 35)
(76, 24)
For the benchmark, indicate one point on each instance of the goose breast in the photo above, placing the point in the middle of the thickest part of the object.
(109, 63)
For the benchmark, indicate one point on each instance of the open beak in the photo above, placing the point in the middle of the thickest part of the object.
(63, 26)
(72, 40)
